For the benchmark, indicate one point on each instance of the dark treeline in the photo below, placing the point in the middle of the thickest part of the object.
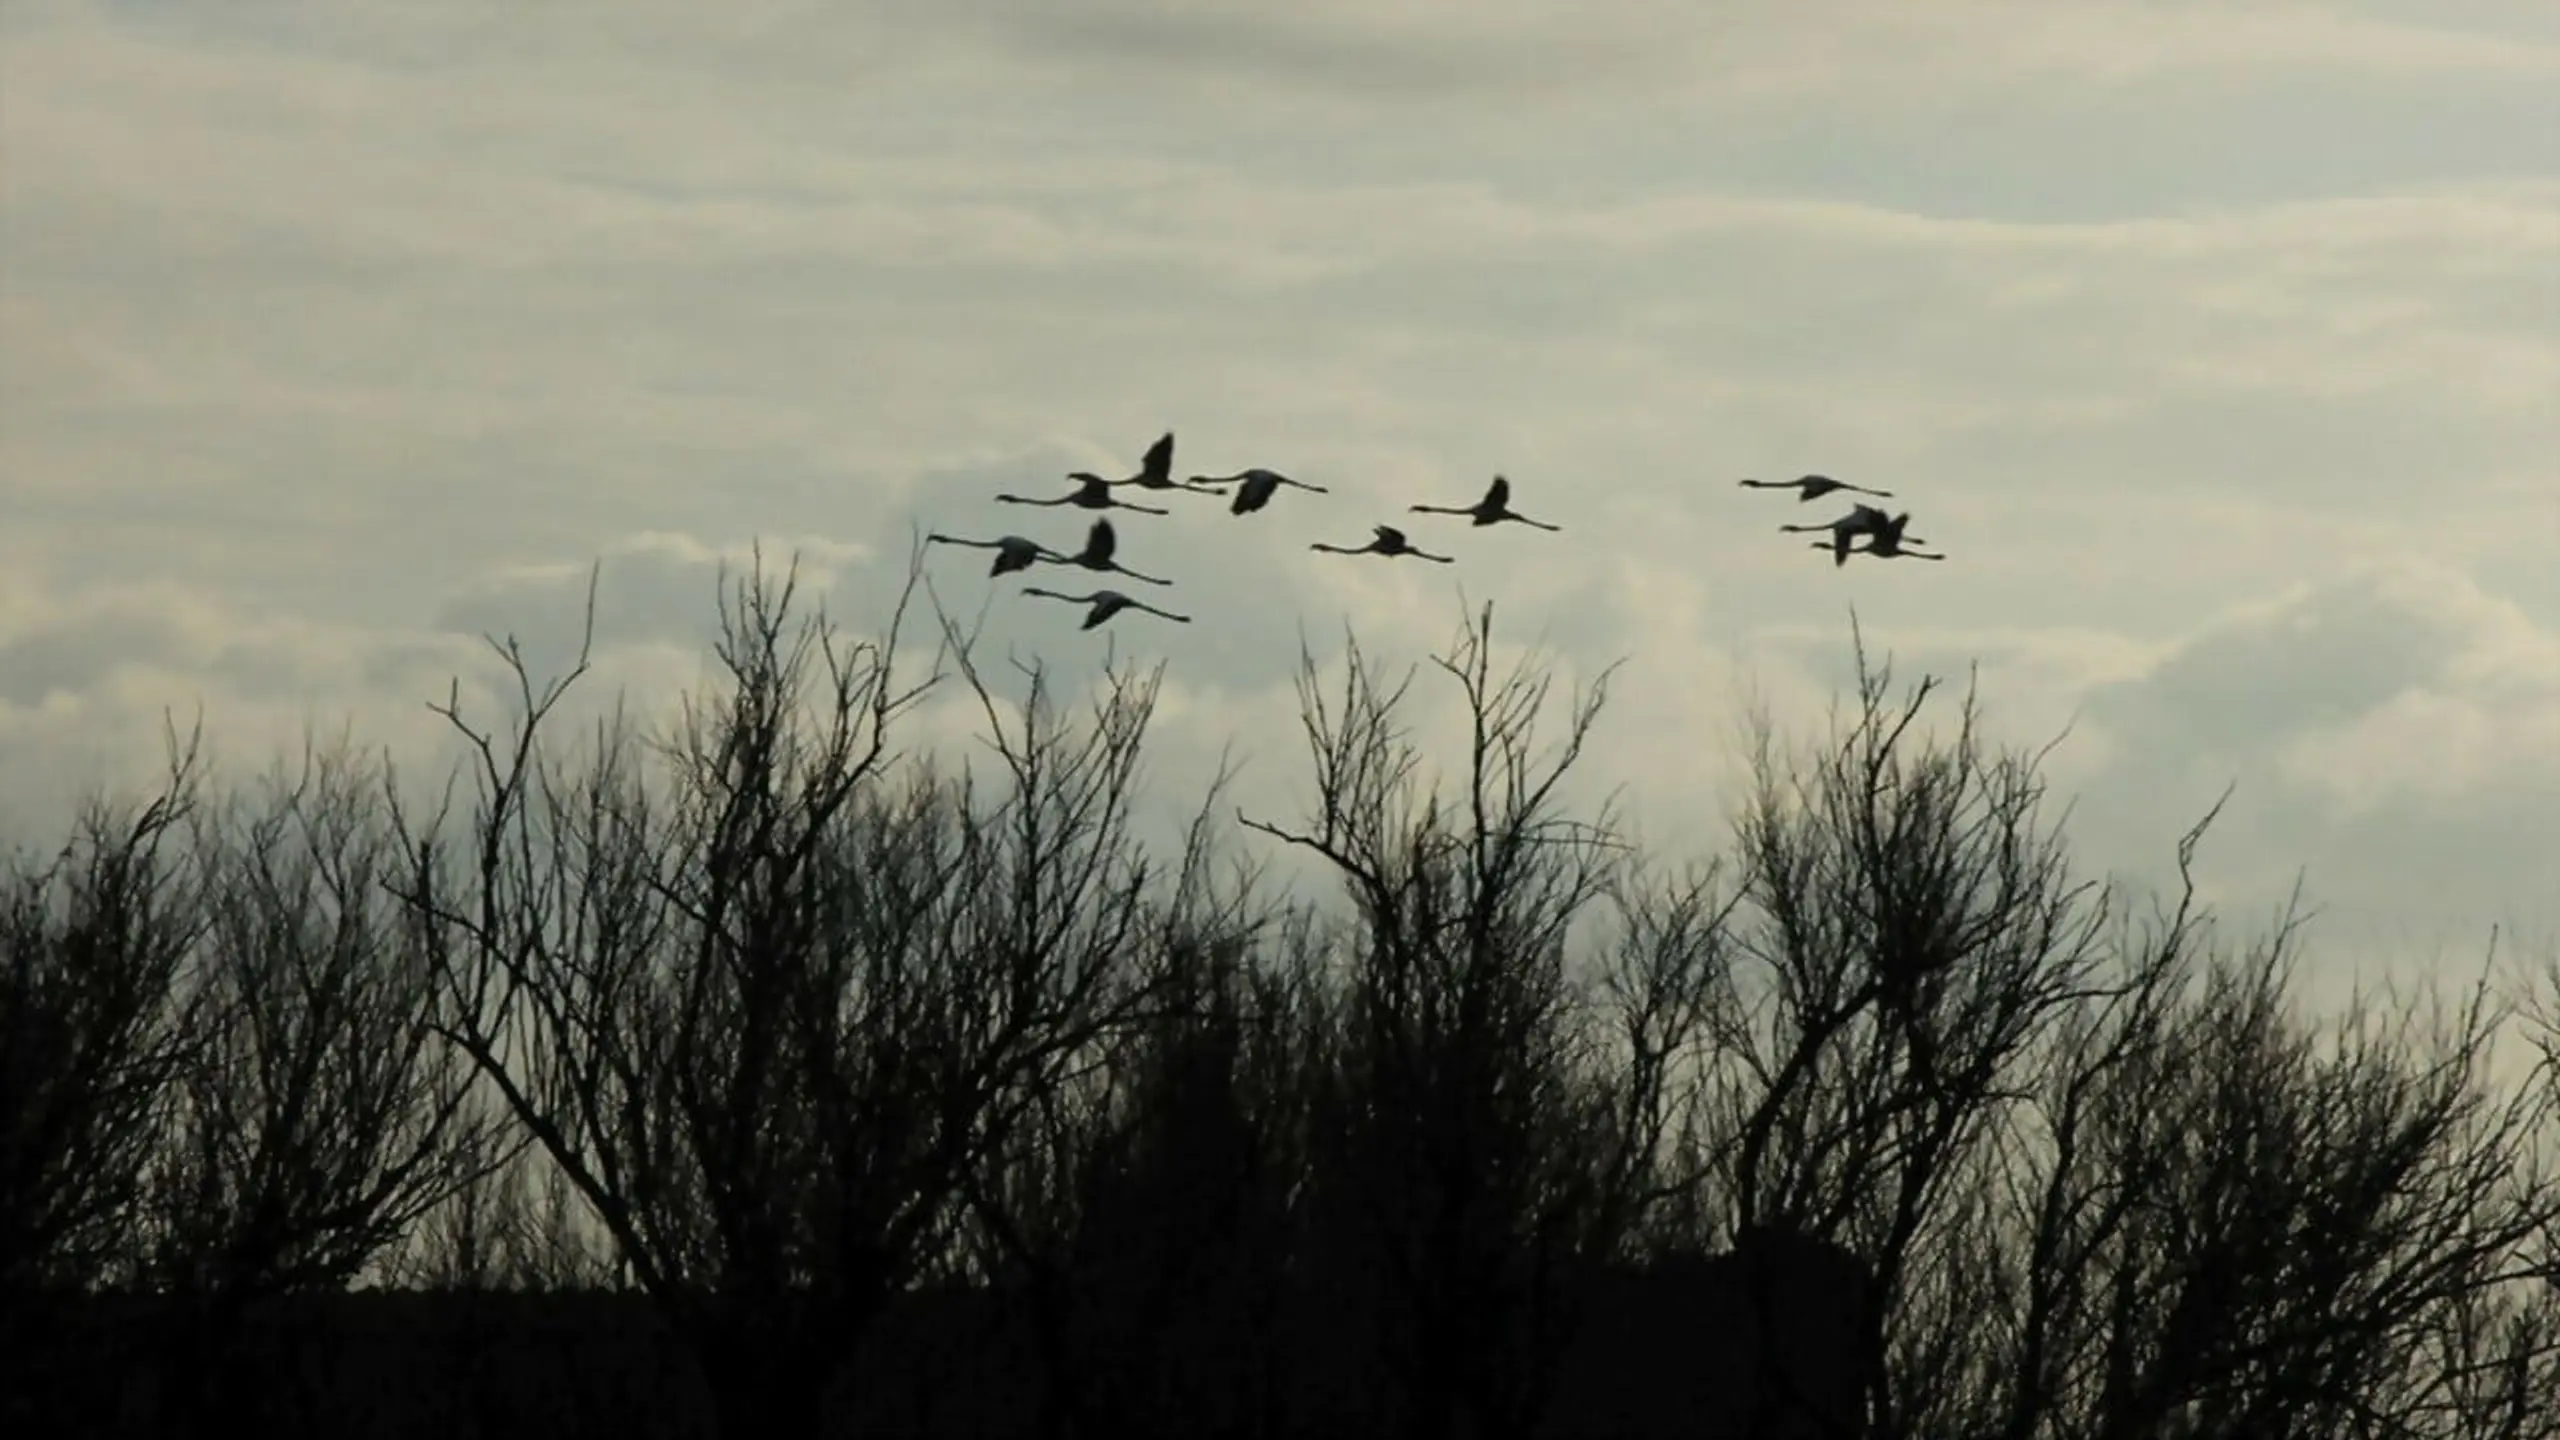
(764, 1076)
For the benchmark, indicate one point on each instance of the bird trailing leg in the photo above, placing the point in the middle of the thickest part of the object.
(1389, 541)
(1258, 486)
(1092, 492)
(1013, 552)
(1493, 508)
(1813, 487)
(1105, 603)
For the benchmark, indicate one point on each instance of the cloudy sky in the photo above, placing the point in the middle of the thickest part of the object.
(2218, 344)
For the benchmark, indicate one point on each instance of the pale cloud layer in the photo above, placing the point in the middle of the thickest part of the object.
(2219, 344)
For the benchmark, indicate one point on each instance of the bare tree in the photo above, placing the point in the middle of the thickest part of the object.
(93, 943)
(1913, 928)
(2217, 1219)
(1668, 976)
(768, 1013)
(516, 1224)
(1466, 1129)
(2305, 1215)
(1150, 1208)
(1068, 894)
(796, 1024)
(318, 1115)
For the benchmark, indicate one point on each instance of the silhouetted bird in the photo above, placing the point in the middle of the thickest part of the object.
(1155, 471)
(1105, 603)
(1886, 542)
(1258, 488)
(1013, 552)
(1092, 493)
(1814, 487)
(1862, 519)
(1390, 541)
(1100, 545)
(1493, 508)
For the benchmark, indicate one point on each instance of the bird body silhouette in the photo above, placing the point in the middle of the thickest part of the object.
(1256, 491)
(1492, 509)
(1155, 470)
(1862, 519)
(1101, 545)
(1814, 487)
(1886, 542)
(1092, 492)
(1105, 603)
(1013, 552)
(1389, 541)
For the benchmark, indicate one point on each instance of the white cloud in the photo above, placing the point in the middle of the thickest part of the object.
(336, 336)
(94, 686)
(2395, 732)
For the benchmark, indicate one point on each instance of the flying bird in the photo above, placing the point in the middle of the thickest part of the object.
(1884, 549)
(1013, 552)
(1093, 493)
(1814, 487)
(1885, 542)
(1105, 603)
(1862, 519)
(1390, 541)
(1258, 488)
(1494, 507)
(1100, 544)
(1155, 471)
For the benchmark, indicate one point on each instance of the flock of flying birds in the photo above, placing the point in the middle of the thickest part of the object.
(1255, 487)
(1885, 539)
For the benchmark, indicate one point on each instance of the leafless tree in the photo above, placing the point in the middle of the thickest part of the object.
(1468, 1117)
(795, 1023)
(1668, 975)
(1912, 928)
(768, 1013)
(2184, 1211)
(1136, 953)
(94, 944)
(318, 1115)
(1190, 1196)
(2262, 1226)
(515, 1225)
(1151, 1209)
(2112, 1188)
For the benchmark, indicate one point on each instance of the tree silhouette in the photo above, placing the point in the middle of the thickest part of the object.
(770, 1015)
(1477, 1149)
(94, 942)
(318, 1115)
(764, 1073)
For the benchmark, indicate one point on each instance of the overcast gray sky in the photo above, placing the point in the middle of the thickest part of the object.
(2217, 343)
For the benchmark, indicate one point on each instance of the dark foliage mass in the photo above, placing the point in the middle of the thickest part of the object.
(762, 1075)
